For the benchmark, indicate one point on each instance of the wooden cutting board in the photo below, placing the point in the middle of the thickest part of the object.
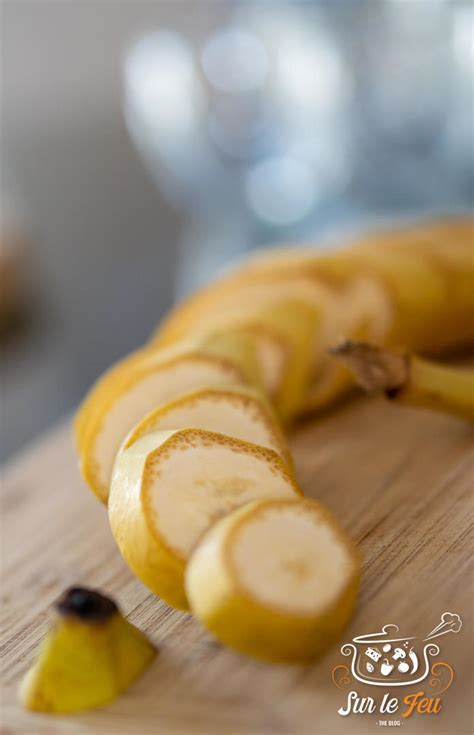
(401, 482)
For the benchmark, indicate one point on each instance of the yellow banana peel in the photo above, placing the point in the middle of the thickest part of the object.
(90, 655)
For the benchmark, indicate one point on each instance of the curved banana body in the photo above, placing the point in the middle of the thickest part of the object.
(182, 435)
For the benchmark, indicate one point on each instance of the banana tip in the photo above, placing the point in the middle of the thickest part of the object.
(86, 605)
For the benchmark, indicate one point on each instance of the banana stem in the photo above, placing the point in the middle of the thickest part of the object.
(410, 379)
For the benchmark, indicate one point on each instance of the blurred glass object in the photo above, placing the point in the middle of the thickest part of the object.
(163, 107)
(459, 136)
(295, 118)
(281, 190)
(235, 61)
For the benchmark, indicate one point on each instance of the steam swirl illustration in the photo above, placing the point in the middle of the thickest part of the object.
(450, 623)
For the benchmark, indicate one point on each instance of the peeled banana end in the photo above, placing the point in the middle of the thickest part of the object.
(90, 655)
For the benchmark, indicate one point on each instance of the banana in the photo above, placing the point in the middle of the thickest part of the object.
(410, 380)
(100, 389)
(140, 383)
(241, 412)
(176, 418)
(242, 297)
(285, 318)
(236, 348)
(292, 325)
(283, 338)
(449, 233)
(275, 579)
(169, 487)
(271, 350)
(89, 656)
(297, 323)
(423, 274)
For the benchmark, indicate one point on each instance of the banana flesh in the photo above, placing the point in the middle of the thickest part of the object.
(170, 486)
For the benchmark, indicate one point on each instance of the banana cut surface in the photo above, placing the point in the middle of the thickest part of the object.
(144, 383)
(239, 411)
(276, 579)
(169, 487)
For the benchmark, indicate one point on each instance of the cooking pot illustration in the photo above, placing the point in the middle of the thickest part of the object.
(386, 659)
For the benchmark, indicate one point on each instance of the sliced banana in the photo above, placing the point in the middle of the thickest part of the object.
(138, 385)
(312, 301)
(100, 390)
(284, 319)
(242, 297)
(276, 579)
(298, 323)
(241, 412)
(285, 364)
(272, 353)
(270, 349)
(169, 487)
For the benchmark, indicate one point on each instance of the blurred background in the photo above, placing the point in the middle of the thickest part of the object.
(147, 145)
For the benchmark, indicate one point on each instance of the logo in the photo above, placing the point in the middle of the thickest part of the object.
(387, 659)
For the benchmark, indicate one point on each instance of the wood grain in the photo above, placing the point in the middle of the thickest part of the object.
(401, 482)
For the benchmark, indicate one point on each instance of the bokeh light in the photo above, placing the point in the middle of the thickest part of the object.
(281, 190)
(234, 61)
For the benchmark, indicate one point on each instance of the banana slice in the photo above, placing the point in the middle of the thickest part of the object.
(169, 487)
(100, 390)
(298, 323)
(319, 301)
(421, 268)
(269, 348)
(287, 365)
(241, 296)
(284, 317)
(272, 354)
(275, 579)
(132, 389)
(237, 348)
(90, 655)
(240, 412)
